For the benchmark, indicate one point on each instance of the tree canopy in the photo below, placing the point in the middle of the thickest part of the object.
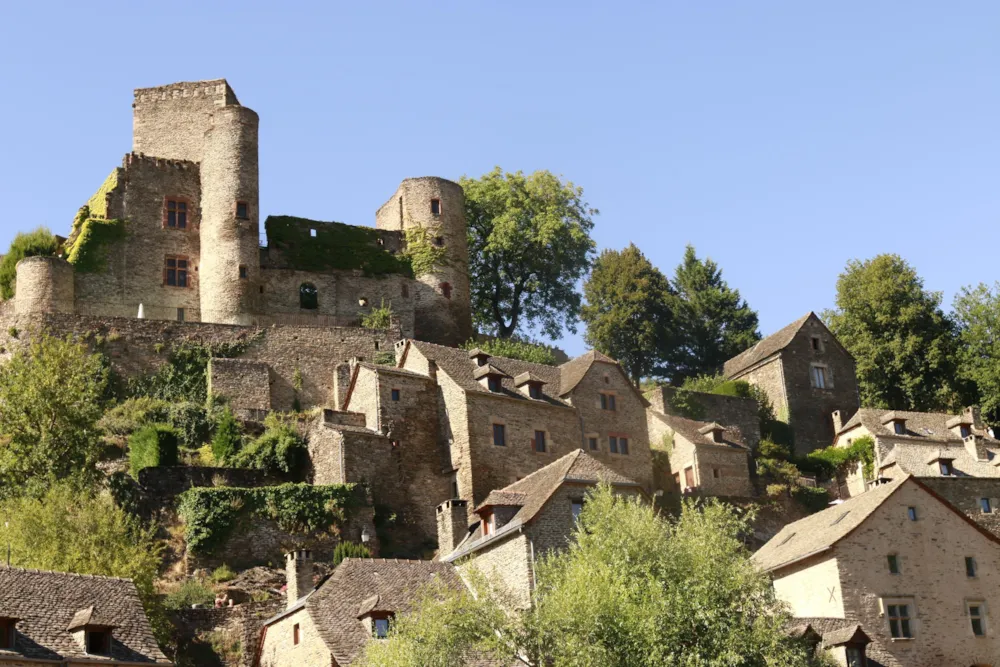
(529, 245)
(51, 398)
(632, 589)
(38, 242)
(630, 312)
(902, 342)
(714, 321)
(977, 316)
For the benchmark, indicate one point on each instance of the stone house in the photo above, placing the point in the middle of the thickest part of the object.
(898, 566)
(741, 415)
(55, 618)
(923, 444)
(329, 624)
(520, 522)
(703, 457)
(807, 374)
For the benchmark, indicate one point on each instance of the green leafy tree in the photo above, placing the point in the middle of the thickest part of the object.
(714, 321)
(903, 344)
(632, 589)
(349, 550)
(977, 314)
(31, 244)
(51, 394)
(529, 245)
(630, 311)
(514, 348)
(227, 439)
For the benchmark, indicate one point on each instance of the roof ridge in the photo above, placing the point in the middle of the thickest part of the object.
(11, 568)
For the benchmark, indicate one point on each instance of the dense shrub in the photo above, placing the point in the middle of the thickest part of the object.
(151, 446)
(190, 593)
(227, 439)
(349, 550)
(31, 244)
(378, 318)
(513, 348)
(835, 461)
(279, 449)
(211, 513)
(123, 419)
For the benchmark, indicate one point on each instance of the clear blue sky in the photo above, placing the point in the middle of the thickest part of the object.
(780, 138)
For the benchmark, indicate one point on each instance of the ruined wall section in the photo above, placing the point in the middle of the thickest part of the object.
(171, 121)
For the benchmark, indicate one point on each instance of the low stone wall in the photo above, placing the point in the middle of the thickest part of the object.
(166, 483)
(200, 633)
(731, 411)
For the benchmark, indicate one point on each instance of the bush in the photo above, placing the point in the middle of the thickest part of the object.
(278, 450)
(768, 449)
(223, 573)
(152, 446)
(835, 460)
(227, 439)
(378, 318)
(813, 498)
(39, 242)
(130, 415)
(349, 550)
(190, 593)
(513, 348)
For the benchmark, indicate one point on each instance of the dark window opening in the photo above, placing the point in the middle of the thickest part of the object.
(499, 435)
(893, 564)
(911, 512)
(856, 657)
(395, 394)
(576, 506)
(986, 505)
(946, 468)
(176, 272)
(98, 642)
(976, 616)
(970, 567)
(965, 431)
(593, 444)
(405, 290)
(608, 402)
(381, 628)
(493, 382)
(242, 210)
(295, 634)
(176, 217)
(243, 272)
(6, 634)
(435, 207)
(261, 288)
(899, 621)
(439, 241)
(394, 443)
(308, 296)
(715, 473)
(815, 343)
(180, 314)
(539, 441)
(534, 391)
(899, 428)
(623, 446)
(613, 444)
(454, 488)
(446, 290)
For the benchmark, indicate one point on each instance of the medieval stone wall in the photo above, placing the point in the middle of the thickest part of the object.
(730, 411)
(244, 383)
(171, 121)
(280, 650)
(44, 285)
(508, 565)
(238, 625)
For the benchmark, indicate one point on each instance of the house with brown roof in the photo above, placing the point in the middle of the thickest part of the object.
(66, 619)
(807, 374)
(898, 566)
(328, 625)
(703, 457)
(517, 524)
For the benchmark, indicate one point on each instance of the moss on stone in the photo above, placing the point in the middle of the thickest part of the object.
(87, 250)
(98, 204)
(335, 246)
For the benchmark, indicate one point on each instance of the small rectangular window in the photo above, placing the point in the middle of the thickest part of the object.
(6, 634)
(176, 214)
(576, 507)
(435, 207)
(539, 441)
(242, 210)
(965, 431)
(381, 628)
(534, 391)
(986, 505)
(312, 233)
(608, 402)
(395, 394)
(180, 314)
(175, 272)
(893, 564)
(499, 435)
(978, 618)
(97, 642)
(593, 444)
(819, 377)
(815, 343)
(243, 272)
(613, 444)
(899, 428)
(899, 621)
(493, 382)
(623, 445)
(911, 512)
(946, 469)
(715, 473)
(295, 634)
(970, 567)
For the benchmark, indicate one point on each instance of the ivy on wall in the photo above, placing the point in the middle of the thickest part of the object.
(211, 514)
(335, 246)
(87, 250)
(424, 255)
(98, 204)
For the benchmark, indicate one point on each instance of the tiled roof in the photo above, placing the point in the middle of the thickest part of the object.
(820, 531)
(389, 585)
(920, 460)
(49, 603)
(920, 426)
(765, 348)
(535, 490)
(499, 497)
(574, 370)
(692, 431)
(833, 631)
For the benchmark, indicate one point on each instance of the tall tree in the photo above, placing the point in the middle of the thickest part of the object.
(977, 315)
(629, 311)
(622, 593)
(529, 245)
(50, 401)
(715, 323)
(902, 342)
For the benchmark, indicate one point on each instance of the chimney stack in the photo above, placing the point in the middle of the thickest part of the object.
(838, 423)
(453, 525)
(298, 575)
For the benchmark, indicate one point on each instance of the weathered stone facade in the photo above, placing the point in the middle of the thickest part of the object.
(807, 374)
(733, 412)
(703, 457)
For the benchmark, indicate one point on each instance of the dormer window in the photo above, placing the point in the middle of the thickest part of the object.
(375, 617)
(899, 427)
(381, 628)
(945, 466)
(493, 382)
(99, 642)
(894, 421)
(481, 358)
(490, 377)
(964, 431)
(714, 431)
(7, 633)
(529, 384)
(92, 633)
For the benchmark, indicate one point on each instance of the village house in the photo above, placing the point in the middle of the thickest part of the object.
(70, 620)
(896, 575)
(807, 375)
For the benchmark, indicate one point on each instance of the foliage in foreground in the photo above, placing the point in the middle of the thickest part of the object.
(514, 348)
(52, 393)
(632, 589)
(30, 244)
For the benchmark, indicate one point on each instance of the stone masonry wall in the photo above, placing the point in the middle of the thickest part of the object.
(171, 121)
(730, 411)
(244, 383)
(241, 624)
(724, 471)
(508, 565)
(966, 493)
(769, 377)
(280, 649)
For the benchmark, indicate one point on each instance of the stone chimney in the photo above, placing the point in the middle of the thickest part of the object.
(298, 575)
(976, 446)
(838, 423)
(453, 525)
(976, 416)
(341, 382)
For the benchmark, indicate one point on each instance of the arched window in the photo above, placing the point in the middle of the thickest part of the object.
(446, 290)
(308, 296)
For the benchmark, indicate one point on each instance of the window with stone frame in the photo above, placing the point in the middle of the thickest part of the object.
(820, 377)
(945, 466)
(499, 435)
(175, 213)
(538, 442)
(435, 207)
(898, 615)
(394, 394)
(817, 343)
(976, 610)
(175, 271)
(608, 401)
(242, 210)
(380, 627)
(593, 443)
(893, 560)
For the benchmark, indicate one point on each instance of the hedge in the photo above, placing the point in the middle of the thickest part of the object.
(151, 446)
(210, 514)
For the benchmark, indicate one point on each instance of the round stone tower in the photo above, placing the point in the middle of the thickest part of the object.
(44, 285)
(229, 275)
(436, 207)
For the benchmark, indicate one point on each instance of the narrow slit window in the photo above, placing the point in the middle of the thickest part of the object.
(613, 444)
(435, 207)
(970, 567)
(539, 441)
(893, 564)
(243, 272)
(499, 435)
(308, 296)
(242, 210)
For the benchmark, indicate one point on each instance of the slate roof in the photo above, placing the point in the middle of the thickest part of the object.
(920, 426)
(920, 460)
(691, 430)
(774, 343)
(532, 492)
(833, 631)
(49, 603)
(573, 371)
(357, 583)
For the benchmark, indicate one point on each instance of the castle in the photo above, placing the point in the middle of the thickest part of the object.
(174, 233)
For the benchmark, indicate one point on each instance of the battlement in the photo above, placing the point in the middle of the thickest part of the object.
(214, 88)
(140, 159)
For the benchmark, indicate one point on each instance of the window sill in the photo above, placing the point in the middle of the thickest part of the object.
(901, 639)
